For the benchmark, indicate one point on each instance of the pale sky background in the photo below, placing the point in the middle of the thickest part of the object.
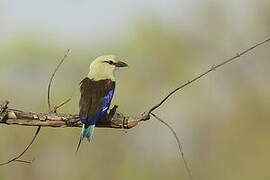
(72, 19)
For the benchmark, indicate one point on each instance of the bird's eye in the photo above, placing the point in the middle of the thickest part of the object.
(109, 62)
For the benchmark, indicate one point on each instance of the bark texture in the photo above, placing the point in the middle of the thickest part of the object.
(17, 117)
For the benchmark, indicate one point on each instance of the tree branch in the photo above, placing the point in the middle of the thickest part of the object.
(115, 119)
(237, 56)
(53, 119)
(18, 117)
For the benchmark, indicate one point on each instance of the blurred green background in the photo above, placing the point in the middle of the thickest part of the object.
(222, 120)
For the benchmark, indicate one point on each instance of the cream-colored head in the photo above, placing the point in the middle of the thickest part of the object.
(104, 67)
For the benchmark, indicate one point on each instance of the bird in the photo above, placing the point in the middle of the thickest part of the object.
(97, 90)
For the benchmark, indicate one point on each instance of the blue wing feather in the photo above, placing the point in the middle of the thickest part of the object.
(103, 109)
(107, 101)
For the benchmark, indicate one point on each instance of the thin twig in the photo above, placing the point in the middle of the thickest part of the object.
(180, 147)
(23, 161)
(238, 55)
(20, 155)
(60, 105)
(51, 79)
(50, 109)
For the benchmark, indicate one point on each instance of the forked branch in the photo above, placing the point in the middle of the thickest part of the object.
(115, 119)
(5, 114)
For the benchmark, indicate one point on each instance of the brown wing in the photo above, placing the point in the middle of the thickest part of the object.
(92, 95)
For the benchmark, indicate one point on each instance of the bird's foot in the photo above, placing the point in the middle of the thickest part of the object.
(111, 113)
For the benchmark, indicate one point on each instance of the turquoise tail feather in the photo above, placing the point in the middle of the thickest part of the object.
(86, 133)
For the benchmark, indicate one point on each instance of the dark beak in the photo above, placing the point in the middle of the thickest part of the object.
(121, 64)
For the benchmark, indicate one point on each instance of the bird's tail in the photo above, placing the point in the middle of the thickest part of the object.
(86, 133)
